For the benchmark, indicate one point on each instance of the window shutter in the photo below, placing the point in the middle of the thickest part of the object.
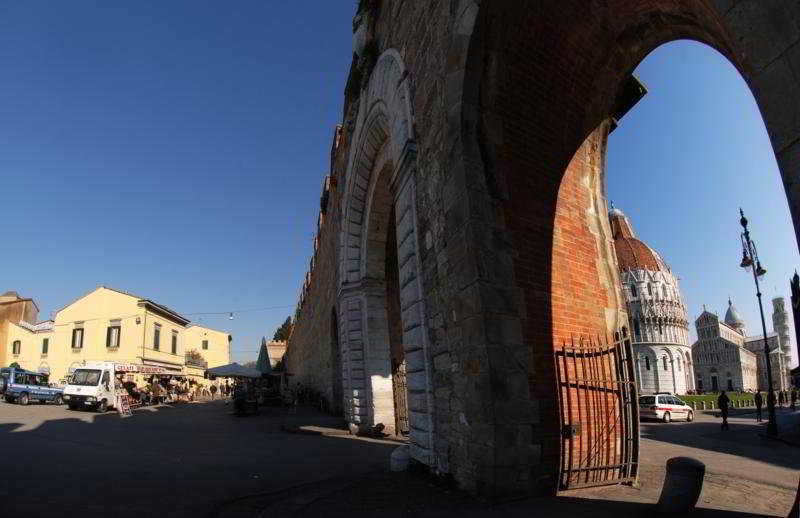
(108, 336)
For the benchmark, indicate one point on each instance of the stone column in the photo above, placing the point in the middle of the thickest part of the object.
(674, 380)
(412, 306)
(354, 388)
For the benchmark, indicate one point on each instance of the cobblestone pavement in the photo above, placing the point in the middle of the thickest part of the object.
(198, 460)
(747, 475)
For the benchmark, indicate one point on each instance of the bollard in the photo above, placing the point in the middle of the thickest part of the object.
(703, 403)
(399, 458)
(682, 485)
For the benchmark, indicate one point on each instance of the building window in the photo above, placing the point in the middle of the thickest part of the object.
(679, 364)
(77, 338)
(45, 345)
(174, 342)
(633, 290)
(637, 330)
(157, 337)
(664, 360)
(647, 363)
(113, 333)
(16, 346)
(205, 344)
(650, 289)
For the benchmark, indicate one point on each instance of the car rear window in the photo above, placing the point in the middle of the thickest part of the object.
(647, 400)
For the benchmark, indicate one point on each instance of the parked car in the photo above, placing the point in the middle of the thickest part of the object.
(21, 386)
(664, 407)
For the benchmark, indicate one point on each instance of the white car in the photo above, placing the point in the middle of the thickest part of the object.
(664, 407)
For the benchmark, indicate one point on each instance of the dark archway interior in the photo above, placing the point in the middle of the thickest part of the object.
(395, 323)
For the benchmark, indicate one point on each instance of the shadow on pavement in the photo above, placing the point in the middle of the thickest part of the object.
(744, 439)
(400, 494)
(181, 460)
(199, 460)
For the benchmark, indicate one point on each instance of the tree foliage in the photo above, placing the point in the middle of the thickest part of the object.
(283, 332)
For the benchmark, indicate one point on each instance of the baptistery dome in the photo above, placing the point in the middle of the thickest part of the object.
(657, 315)
(632, 253)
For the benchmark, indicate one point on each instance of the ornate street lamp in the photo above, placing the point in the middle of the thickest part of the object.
(750, 260)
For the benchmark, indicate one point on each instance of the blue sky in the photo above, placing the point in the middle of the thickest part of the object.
(176, 150)
(681, 164)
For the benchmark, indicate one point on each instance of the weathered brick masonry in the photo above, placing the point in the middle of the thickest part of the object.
(482, 127)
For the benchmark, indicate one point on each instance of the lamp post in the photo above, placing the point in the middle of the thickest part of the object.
(750, 260)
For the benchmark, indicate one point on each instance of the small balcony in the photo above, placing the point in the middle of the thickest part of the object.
(193, 361)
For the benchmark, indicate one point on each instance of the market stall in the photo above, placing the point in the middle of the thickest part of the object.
(245, 396)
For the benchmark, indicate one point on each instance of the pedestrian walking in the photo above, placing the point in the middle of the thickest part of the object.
(781, 398)
(722, 403)
(759, 403)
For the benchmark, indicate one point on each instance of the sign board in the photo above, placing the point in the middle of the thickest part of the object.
(143, 369)
(124, 406)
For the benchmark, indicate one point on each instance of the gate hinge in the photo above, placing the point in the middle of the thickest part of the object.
(571, 431)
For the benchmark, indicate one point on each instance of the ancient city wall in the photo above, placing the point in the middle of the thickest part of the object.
(482, 126)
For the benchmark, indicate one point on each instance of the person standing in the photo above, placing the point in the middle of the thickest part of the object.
(759, 402)
(722, 402)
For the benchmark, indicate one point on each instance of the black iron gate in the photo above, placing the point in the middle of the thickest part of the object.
(599, 413)
(400, 388)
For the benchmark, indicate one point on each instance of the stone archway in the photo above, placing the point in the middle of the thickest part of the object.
(534, 89)
(379, 184)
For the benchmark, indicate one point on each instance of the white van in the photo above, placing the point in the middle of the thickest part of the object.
(92, 385)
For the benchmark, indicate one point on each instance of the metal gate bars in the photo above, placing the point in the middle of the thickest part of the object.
(599, 413)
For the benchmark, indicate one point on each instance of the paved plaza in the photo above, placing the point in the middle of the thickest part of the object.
(198, 460)
(176, 461)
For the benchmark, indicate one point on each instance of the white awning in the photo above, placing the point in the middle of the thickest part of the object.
(234, 370)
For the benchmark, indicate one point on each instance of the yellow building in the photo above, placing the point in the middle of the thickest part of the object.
(205, 348)
(112, 325)
(214, 346)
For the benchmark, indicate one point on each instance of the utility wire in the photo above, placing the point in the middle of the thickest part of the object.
(235, 311)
